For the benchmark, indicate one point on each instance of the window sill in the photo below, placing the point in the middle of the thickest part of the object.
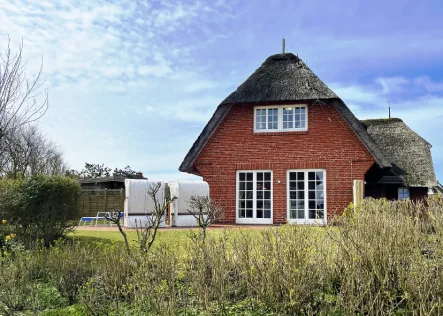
(281, 133)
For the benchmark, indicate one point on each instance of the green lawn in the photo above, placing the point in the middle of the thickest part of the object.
(171, 236)
(168, 236)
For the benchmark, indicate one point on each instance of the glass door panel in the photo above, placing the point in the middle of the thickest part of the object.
(263, 196)
(306, 196)
(254, 204)
(245, 194)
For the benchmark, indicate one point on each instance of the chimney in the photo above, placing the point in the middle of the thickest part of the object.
(283, 44)
(139, 175)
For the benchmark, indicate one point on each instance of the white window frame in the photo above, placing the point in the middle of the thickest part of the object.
(280, 118)
(253, 220)
(403, 188)
(306, 220)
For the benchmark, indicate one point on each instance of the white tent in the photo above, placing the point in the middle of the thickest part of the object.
(138, 204)
(183, 191)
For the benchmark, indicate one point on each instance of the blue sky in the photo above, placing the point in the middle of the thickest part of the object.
(134, 82)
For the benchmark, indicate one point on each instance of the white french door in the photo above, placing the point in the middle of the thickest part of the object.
(306, 194)
(254, 197)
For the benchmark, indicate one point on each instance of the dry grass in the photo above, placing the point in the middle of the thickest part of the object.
(378, 260)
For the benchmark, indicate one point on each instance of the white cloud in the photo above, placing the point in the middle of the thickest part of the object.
(428, 84)
(197, 86)
(107, 64)
(79, 39)
(155, 71)
(392, 84)
(193, 110)
(389, 91)
(422, 111)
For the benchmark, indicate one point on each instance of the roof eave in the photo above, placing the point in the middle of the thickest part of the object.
(361, 133)
(188, 163)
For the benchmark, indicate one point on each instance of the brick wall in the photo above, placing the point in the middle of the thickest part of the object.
(328, 144)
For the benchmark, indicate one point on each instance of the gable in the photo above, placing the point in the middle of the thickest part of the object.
(284, 78)
(224, 109)
(327, 141)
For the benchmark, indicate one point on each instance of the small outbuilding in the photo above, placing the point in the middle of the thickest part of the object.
(139, 204)
(412, 174)
(183, 191)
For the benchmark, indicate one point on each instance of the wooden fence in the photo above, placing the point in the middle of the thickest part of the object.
(100, 200)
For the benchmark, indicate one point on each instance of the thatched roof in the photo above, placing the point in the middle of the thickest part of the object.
(282, 77)
(408, 152)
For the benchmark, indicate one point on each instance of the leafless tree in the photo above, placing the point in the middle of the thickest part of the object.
(205, 211)
(20, 101)
(27, 152)
(147, 231)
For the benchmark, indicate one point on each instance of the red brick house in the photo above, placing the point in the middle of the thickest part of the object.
(285, 148)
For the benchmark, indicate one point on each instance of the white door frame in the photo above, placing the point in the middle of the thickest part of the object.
(306, 220)
(253, 220)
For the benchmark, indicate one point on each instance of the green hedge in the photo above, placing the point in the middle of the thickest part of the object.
(40, 208)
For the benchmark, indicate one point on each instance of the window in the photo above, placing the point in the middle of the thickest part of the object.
(254, 197)
(306, 196)
(403, 193)
(266, 119)
(280, 118)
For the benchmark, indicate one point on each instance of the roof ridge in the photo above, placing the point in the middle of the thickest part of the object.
(382, 120)
(277, 79)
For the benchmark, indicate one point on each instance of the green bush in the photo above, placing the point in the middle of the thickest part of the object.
(42, 208)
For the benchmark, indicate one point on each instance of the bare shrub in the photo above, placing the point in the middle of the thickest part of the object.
(383, 259)
(147, 230)
(205, 211)
(211, 272)
(380, 247)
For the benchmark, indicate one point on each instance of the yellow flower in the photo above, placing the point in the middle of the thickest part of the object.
(13, 235)
(8, 237)
(4, 221)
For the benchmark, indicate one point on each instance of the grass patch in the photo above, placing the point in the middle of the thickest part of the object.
(164, 236)
(173, 237)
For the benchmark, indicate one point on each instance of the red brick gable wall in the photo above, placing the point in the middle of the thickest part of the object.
(328, 144)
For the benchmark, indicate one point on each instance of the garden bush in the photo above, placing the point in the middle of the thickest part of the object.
(40, 208)
(382, 259)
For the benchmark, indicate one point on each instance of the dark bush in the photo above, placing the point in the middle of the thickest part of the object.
(42, 208)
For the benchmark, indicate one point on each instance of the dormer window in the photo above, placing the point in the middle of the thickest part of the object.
(282, 118)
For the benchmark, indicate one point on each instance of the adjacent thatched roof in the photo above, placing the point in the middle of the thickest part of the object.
(282, 77)
(408, 152)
